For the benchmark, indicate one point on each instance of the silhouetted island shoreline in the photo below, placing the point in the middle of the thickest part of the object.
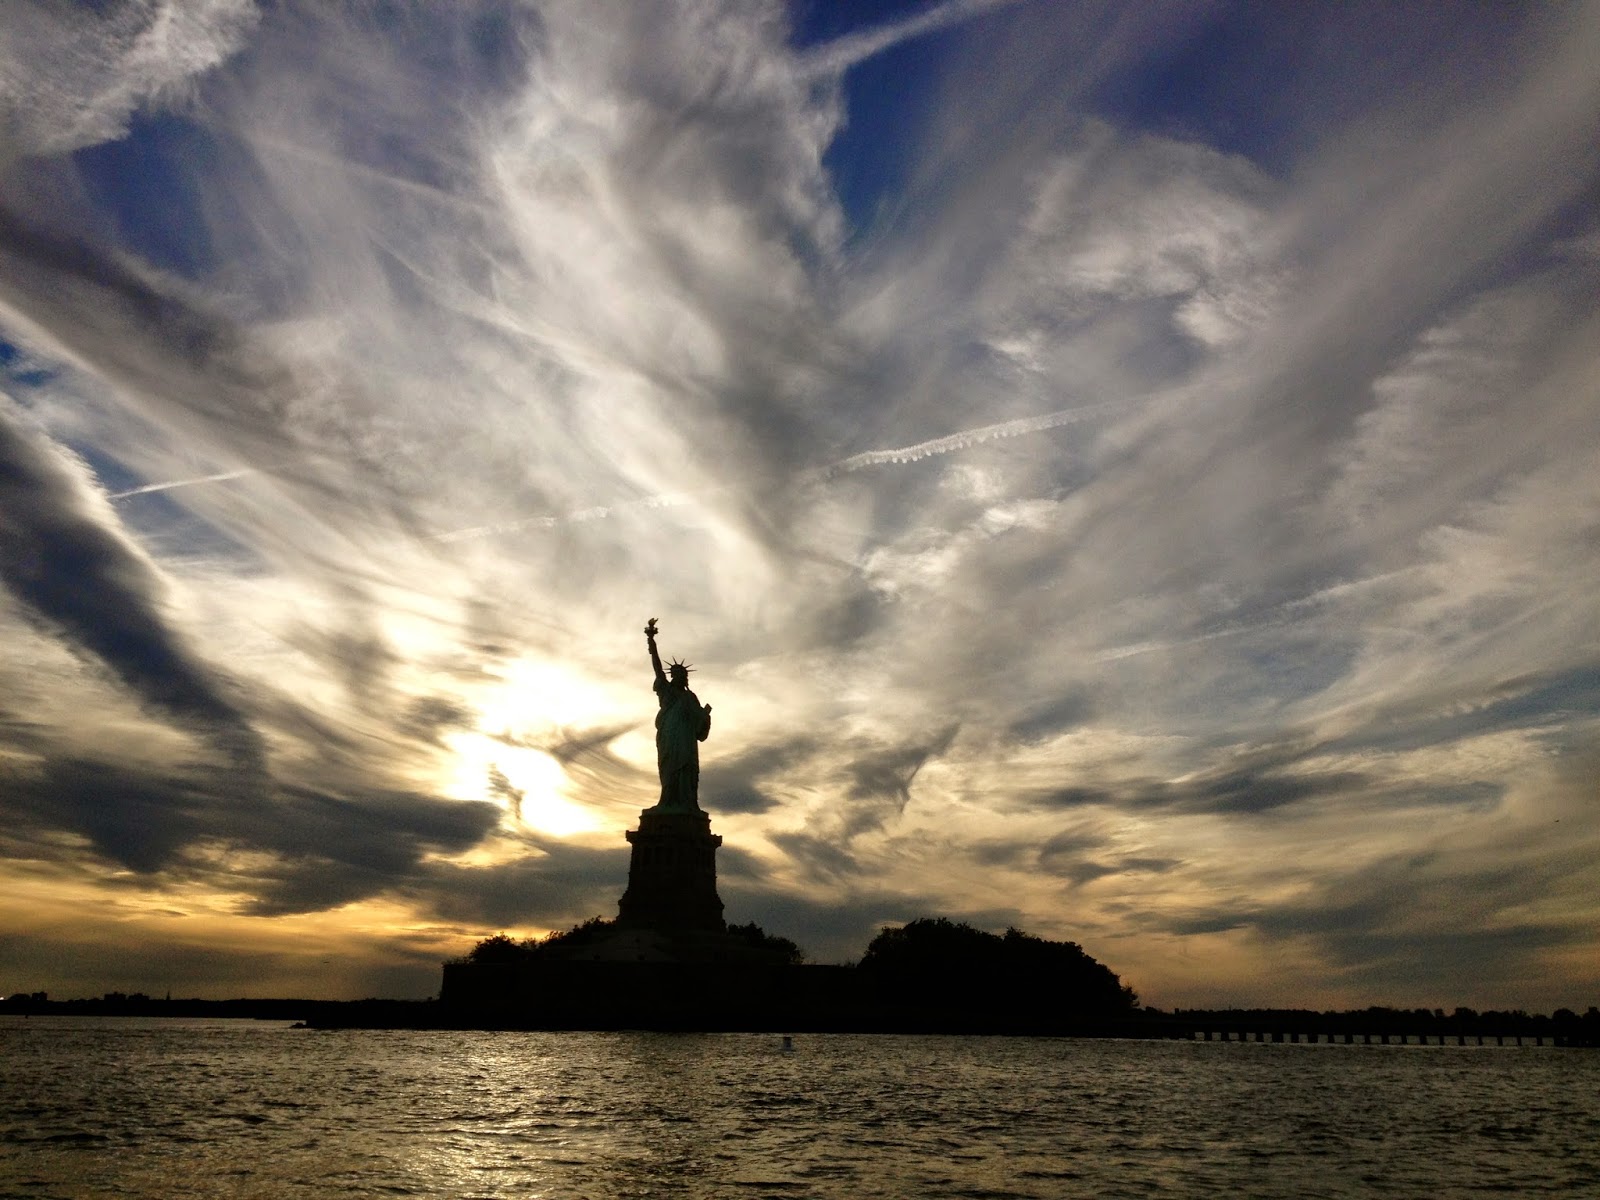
(1375, 1025)
(930, 976)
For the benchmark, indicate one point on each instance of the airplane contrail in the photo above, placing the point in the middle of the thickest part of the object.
(845, 52)
(220, 477)
(966, 438)
(948, 444)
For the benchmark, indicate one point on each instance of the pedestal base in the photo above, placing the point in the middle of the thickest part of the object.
(672, 878)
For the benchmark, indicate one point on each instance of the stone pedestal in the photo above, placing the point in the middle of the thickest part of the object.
(672, 877)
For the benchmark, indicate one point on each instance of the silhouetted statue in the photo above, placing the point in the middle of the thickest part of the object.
(681, 725)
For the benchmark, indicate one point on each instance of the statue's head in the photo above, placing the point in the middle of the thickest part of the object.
(678, 673)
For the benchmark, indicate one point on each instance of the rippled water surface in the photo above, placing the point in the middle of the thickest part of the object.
(169, 1108)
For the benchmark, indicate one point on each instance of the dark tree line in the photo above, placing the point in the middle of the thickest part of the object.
(501, 948)
(951, 965)
(932, 960)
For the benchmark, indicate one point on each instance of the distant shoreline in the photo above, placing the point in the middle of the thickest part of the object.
(1373, 1026)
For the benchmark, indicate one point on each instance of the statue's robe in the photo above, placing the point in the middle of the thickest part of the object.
(681, 725)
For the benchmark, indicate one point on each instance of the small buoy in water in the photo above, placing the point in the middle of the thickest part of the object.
(788, 1043)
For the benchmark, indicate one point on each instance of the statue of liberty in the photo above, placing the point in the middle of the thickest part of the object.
(681, 725)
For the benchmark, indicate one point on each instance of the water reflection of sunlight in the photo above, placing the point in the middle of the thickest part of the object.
(527, 783)
(679, 1107)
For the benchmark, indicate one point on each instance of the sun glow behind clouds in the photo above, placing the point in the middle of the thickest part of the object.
(528, 783)
(503, 758)
(539, 695)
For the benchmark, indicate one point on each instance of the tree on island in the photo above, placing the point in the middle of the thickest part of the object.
(502, 948)
(780, 948)
(498, 949)
(951, 965)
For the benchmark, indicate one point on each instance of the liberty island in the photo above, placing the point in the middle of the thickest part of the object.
(669, 960)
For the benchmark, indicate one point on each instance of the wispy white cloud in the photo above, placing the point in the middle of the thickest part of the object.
(72, 76)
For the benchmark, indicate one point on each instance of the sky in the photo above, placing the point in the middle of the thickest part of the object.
(1127, 471)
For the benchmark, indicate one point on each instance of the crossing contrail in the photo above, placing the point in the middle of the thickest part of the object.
(967, 438)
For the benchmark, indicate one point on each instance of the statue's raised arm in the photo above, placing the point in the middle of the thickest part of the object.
(655, 659)
(681, 724)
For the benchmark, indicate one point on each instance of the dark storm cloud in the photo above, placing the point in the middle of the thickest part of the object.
(323, 849)
(1073, 857)
(562, 886)
(383, 830)
(1052, 716)
(314, 884)
(874, 780)
(1076, 796)
(871, 785)
(735, 796)
(1431, 889)
(330, 849)
(734, 863)
(501, 785)
(823, 859)
(585, 745)
(1532, 701)
(849, 613)
(1209, 922)
(1248, 791)
(80, 578)
(1076, 856)
(735, 783)
(140, 821)
(1068, 846)
(880, 780)
(1236, 792)
(427, 717)
(1133, 865)
(1422, 923)
(360, 658)
(1003, 852)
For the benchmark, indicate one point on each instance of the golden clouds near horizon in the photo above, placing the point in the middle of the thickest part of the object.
(81, 937)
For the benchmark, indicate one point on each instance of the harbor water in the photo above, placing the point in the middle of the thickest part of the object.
(93, 1107)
